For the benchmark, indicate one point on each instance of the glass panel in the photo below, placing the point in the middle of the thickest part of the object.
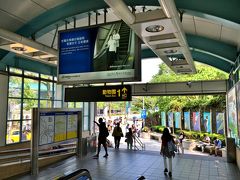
(13, 132)
(86, 106)
(45, 104)
(57, 92)
(79, 104)
(15, 86)
(28, 104)
(15, 70)
(71, 105)
(29, 73)
(26, 130)
(14, 109)
(57, 104)
(46, 89)
(43, 76)
(85, 123)
(30, 88)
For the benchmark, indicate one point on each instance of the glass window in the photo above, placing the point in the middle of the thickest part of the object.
(30, 88)
(46, 89)
(32, 74)
(15, 86)
(79, 105)
(57, 104)
(13, 132)
(15, 70)
(45, 104)
(71, 105)
(14, 109)
(26, 131)
(28, 104)
(43, 76)
(57, 92)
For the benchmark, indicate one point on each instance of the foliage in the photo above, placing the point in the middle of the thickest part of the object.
(145, 129)
(158, 129)
(177, 103)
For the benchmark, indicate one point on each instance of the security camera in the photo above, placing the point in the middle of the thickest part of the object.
(189, 83)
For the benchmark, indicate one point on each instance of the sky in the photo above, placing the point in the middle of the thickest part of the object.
(150, 67)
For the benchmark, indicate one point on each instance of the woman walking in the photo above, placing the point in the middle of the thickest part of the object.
(167, 150)
(117, 134)
(129, 138)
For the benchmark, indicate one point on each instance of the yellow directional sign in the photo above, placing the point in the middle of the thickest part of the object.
(98, 93)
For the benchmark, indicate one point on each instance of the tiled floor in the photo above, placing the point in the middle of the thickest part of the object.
(128, 165)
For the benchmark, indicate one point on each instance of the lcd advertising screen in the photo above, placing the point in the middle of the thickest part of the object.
(232, 113)
(177, 117)
(206, 121)
(220, 122)
(196, 121)
(187, 120)
(101, 53)
(163, 118)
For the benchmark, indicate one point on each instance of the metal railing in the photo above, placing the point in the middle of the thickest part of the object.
(137, 142)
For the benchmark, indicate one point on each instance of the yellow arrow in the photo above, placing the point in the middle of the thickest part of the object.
(124, 90)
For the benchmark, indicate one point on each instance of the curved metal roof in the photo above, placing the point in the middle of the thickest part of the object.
(212, 27)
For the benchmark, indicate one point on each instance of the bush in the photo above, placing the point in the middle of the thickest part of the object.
(158, 129)
(145, 129)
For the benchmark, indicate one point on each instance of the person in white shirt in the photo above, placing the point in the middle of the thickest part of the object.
(206, 142)
(116, 37)
(112, 49)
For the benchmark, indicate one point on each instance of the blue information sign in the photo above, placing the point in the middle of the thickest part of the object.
(143, 114)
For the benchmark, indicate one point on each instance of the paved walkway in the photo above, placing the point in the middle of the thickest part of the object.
(124, 164)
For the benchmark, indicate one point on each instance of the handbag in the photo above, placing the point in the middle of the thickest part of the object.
(171, 146)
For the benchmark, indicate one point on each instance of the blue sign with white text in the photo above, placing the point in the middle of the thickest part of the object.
(143, 114)
(76, 51)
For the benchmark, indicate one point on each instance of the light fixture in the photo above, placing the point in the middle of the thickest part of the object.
(154, 28)
(170, 51)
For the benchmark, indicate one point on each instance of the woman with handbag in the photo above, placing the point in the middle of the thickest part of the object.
(117, 134)
(168, 149)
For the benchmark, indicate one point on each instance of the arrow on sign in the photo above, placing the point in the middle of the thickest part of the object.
(124, 90)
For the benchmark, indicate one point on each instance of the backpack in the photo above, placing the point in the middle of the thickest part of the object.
(171, 146)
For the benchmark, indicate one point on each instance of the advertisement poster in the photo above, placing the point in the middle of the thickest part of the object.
(170, 119)
(177, 117)
(187, 120)
(72, 125)
(238, 106)
(98, 53)
(207, 122)
(232, 113)
(60, 127)
(163, 118)
(220, 122)
(196, 121)
(46, 132)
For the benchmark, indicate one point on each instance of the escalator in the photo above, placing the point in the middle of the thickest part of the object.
(101, 60)
(122, 52)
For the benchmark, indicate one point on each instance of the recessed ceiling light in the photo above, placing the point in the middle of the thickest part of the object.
(171, 51)
(21, 49)
(154, 28)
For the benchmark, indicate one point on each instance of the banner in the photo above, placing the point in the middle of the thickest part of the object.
(238, 106)
(177, 117)
(196, 121)
(163, 118)
(206, 121)
(232, 113)
(170, 119)
(220, 122)
(187, 120)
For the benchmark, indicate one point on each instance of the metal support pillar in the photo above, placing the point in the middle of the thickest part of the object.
(54, 37)
(105, 15)
(89, 19)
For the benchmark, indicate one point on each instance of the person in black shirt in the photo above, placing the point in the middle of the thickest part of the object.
(102, 137)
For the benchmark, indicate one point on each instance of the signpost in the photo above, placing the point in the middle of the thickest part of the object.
(98, 93)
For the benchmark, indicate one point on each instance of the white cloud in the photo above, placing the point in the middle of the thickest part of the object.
(150, 67)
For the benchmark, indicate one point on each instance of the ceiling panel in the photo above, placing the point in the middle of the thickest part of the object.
(48, 4)
(24, 9)
(230, 35)
(46, 39)
(9, 22)
(208, 29)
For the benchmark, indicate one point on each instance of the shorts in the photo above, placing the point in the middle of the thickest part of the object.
(102, 140)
